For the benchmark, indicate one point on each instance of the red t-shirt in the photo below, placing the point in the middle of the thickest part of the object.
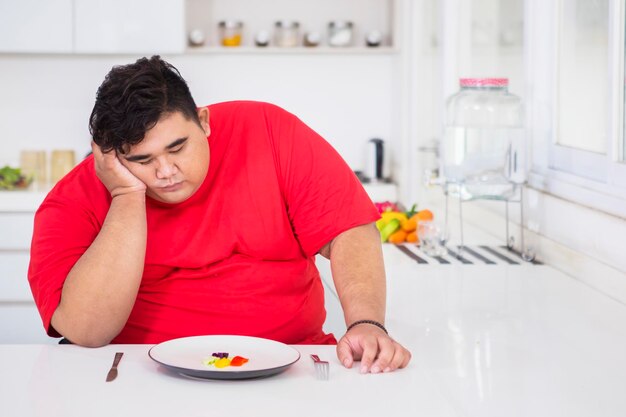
(237, 257)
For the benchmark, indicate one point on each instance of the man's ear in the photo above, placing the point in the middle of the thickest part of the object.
(203, 115)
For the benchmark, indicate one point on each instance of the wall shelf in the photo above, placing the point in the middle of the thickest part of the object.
(322, 50)
(313, 16)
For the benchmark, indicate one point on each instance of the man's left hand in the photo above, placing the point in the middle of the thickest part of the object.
(374, 348)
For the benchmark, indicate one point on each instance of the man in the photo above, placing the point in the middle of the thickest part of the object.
(189, 221)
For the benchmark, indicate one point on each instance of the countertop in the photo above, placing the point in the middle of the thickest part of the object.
(22, 200)
(487, 340)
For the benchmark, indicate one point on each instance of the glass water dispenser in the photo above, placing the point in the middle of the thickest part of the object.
(483, 148)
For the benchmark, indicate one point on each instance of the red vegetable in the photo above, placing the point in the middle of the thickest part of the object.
(386, 206)
(238, 361)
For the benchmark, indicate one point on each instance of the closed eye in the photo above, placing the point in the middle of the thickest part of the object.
(177, 150)
(146, 159)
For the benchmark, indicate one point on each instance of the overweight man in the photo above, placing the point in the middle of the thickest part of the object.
(191, 220)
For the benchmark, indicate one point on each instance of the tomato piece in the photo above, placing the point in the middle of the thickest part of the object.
(238, 361)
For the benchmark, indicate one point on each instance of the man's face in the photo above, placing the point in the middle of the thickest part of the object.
(173, 157)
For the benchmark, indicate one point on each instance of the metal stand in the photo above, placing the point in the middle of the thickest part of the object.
(527, 253)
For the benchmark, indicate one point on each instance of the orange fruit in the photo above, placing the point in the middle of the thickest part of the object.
(409, 225)
(425, 215)
(398, 236)
(412, 237)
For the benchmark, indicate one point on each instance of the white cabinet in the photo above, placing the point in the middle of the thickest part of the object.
(92, 26)
(20, 323)
(17, 229)
(16, 232)
(14, 286)
(138, 26)
(36, 26)
(19, 318)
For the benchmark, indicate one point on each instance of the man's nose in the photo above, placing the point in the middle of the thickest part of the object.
(165, 168)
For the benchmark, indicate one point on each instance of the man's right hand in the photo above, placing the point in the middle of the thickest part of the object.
(115, 176)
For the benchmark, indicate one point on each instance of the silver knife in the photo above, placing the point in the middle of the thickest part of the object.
(113, 371)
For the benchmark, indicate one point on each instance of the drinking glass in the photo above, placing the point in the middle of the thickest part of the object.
(431, 238)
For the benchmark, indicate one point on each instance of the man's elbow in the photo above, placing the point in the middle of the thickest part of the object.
(90, 342)
(82, 334)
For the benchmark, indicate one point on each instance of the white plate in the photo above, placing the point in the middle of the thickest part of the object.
(186, 356)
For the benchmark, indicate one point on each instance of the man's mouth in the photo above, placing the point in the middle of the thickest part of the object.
(171, 187)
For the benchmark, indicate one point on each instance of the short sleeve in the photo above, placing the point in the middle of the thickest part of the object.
(63, 231)
(322, 194)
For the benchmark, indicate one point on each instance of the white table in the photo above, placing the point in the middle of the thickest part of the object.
(487, 340)
(42, 380)
(70, 381)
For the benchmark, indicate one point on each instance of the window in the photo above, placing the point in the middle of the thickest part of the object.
(575, 51)
(582, 130)
(582, 68)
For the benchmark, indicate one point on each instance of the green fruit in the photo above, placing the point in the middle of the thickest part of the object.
(388, 229)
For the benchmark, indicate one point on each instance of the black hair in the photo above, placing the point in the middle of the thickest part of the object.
(133, 98)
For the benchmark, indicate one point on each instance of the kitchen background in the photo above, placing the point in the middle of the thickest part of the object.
(55, 53)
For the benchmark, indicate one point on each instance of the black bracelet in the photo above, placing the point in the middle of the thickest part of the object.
(375, 323)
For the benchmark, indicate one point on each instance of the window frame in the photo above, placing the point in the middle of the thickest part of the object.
(593, 180)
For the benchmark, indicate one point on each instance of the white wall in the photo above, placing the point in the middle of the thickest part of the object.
(45, 100)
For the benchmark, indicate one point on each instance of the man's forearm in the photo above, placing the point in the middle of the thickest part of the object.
(359, 274)
(100, 290)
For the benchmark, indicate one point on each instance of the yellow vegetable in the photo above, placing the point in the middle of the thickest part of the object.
(222, 363)
(388, 215)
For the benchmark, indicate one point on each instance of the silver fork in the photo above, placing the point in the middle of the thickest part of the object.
(321, 368)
